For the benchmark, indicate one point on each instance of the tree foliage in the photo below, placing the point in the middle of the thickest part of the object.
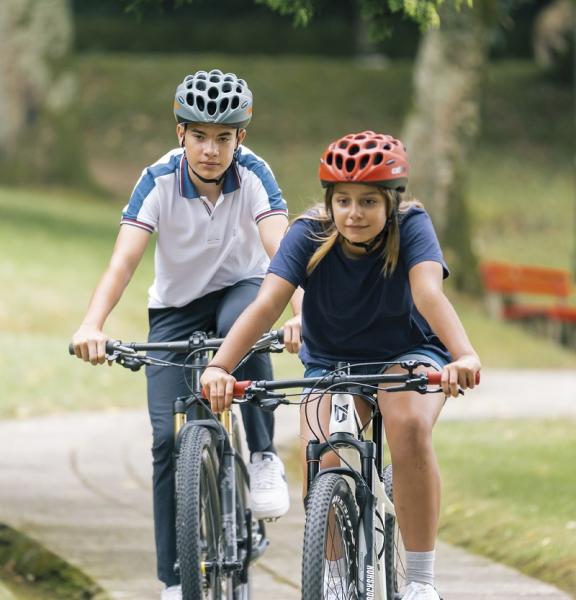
(423, 12)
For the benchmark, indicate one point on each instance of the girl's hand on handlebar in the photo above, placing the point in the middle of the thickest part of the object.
(218, 387)
(293, 334)
(90, 344)
(460, 374)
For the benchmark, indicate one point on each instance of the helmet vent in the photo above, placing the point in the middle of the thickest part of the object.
(235, 102)
(364, 161)
(343, 144)
(200, 103)
(189, 85)
(338, 160)
(329, 158)
(201, 76)
(211, 108)
(213, 93)
(215, 79)
(378, 158)
(201, 85)
(239, 89)
(354, 149)
(190, 98)
(387, 147)
(371, 145)
(360, 136)
(350, 165)
(224, 104)
(226, 88)
(229, 78)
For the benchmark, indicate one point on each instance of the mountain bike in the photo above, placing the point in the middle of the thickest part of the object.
(352, 547)
(217, 537)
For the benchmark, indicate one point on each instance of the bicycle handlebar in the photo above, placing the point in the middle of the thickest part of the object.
(409, 381)
(195, 342)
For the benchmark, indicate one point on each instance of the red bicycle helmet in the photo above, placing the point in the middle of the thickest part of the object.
(365, 157)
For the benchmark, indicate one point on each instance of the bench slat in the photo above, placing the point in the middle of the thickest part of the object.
(506, 278)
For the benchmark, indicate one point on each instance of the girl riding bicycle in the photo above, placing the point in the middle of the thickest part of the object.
(372, 270)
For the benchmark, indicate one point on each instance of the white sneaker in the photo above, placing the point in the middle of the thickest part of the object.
(174, 592)
(420, 591)
(268, 488)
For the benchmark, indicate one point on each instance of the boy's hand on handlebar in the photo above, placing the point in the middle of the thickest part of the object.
(218, 387)
(293, 334)
(90, 344)
(460, 374)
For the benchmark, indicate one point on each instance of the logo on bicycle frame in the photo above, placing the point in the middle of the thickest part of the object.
(340, 413)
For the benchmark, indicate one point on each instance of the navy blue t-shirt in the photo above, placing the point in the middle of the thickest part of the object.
(351, 311)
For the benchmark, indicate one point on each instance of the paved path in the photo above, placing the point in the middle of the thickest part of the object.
(79, 483)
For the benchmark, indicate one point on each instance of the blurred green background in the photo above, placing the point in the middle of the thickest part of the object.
(310, 85)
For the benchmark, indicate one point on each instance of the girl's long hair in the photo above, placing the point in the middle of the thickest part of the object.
(395, 206)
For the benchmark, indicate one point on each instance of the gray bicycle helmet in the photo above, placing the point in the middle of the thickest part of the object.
(213, 97)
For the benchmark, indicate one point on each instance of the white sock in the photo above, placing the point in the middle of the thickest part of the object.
(420, 567)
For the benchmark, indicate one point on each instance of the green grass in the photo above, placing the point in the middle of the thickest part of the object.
(509, 491)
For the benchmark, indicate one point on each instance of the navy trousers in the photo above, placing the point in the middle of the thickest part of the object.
(215, 312)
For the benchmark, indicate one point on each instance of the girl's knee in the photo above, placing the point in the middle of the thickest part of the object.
(409, 431)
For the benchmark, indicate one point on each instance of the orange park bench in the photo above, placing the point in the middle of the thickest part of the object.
(535, 296)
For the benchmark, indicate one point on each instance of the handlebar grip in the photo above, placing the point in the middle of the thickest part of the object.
(435, 377)
(110, 347)
(239, 389)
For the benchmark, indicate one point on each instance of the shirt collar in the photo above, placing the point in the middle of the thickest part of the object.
(189, 190)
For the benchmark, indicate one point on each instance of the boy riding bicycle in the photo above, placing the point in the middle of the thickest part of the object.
(372, 270)
(219, 216)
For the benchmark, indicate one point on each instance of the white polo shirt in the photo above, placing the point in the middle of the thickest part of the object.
(201, 247)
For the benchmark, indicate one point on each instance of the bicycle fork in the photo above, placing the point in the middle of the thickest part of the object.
(229, 561)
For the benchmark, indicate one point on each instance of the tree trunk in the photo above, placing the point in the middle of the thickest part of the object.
(38, 135)
(441, 129)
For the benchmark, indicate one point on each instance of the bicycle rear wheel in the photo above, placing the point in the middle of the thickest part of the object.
(198, 527)
(394, 552)
(329, 558)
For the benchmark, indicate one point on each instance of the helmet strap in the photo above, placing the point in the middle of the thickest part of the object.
(206, 180)
(369, 246)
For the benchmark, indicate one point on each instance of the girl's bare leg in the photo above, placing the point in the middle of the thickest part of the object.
(408, 421)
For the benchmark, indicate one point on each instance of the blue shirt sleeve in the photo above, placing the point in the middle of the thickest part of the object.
(296, 248)
(418, 240)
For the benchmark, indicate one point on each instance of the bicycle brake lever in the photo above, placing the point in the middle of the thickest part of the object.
(130, 362)
(271, 402)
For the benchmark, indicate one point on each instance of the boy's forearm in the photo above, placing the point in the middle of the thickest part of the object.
(107, 294)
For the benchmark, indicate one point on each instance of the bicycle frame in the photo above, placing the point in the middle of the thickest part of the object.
(366, 463)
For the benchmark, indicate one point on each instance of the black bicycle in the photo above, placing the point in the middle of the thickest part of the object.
(217, 537)
(352, 548)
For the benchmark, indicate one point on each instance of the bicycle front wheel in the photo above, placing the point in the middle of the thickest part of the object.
(394, 552)
(329, 558)
(198, 524)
